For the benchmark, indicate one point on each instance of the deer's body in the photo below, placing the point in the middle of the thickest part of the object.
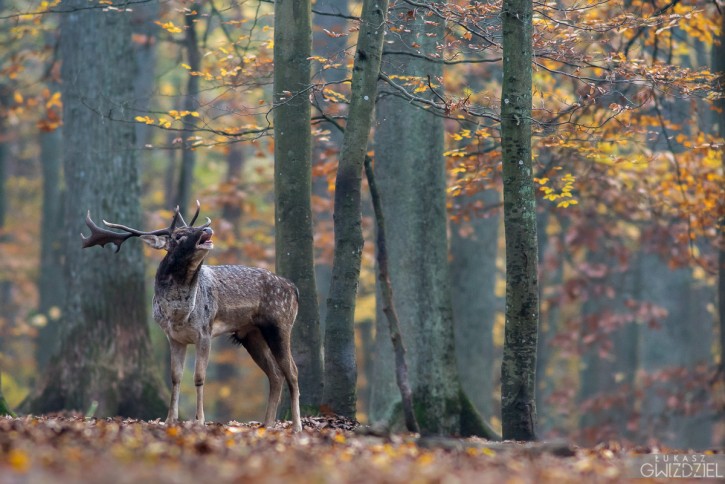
(194, 303)
(222, 300)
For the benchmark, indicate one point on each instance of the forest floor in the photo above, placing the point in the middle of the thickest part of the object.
(329, 450)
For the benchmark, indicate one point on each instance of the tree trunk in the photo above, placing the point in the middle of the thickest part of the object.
(105, 353)
(386, 290)
(340, 365)
(676, 407)
(473, 272)
(191, 102)
(4, 407)
(410, 171)
(718, 62)
(144, 47)
(609, 345)
(50, 288)
(327, 48)
(292, 183)
(518, 369)
(232, 207)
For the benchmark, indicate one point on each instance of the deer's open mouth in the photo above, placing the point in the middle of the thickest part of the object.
(205, 240)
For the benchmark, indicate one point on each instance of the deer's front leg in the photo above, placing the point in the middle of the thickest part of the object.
(202, 360)
(178, 354)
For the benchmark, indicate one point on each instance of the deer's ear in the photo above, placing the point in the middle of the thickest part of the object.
(157, 241)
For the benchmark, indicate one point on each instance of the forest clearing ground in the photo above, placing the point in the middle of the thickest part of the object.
(76, 449)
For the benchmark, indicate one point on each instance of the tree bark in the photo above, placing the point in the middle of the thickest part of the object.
(518, 369)
(105, 356)
(232, 208)
(327, 48)
(386, 290)
(191, 102)
(718, 62)
(52, 241)
(340, 366)
(292, 182)
(410, 171)
(473, 273)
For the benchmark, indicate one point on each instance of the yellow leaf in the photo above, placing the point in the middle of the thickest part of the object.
(54, 101)
(169, 27)
(17, 97)
(144, 119)
(18, 460)
(488, 452)
(186, 66)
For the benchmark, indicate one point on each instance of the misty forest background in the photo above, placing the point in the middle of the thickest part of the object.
(130, 108)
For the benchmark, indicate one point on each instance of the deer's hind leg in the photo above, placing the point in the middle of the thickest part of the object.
(258, 349)
(279, 341)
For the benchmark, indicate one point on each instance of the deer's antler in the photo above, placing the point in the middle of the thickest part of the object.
(196, 214)
(101, 236)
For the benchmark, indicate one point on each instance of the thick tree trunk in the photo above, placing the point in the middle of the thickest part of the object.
(473, 273)
(105, 353)
(292, 181)
(518, 369)
(340, 365)
(410, 171)
(52, 241)
(191, 102)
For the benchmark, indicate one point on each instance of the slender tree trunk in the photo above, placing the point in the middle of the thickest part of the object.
(6, 310)
(718, 62)
(386, 290)
(144, 47)
(328, 48)
(340, 365)
(292, 182)
(105, 353)
(191, 102)
(4, 102)
(232, 208)
(518, 369)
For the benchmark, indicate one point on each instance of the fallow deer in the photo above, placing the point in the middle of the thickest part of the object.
(194, 303)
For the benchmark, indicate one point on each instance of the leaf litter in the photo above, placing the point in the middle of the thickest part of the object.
(330, 449)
